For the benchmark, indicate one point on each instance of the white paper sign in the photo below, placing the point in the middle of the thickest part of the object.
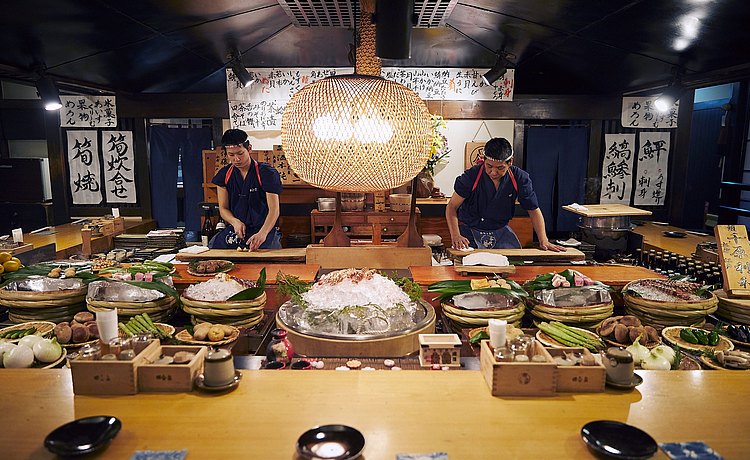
(88, 112)
(639, 112)
(83, 160)
(17, 235)
(260, 106)
(651, 176)
(119, 167)
(617, 169)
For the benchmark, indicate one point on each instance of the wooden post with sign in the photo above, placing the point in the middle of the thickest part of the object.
(734, 254)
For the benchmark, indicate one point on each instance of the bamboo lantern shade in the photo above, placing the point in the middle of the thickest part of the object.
(356, 133)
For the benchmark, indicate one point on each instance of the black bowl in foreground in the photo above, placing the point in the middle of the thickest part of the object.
(332, 442)
(617, 440)
(83, 436)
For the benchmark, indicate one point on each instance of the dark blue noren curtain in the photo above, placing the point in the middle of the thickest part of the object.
(556, 160)
(166, 144)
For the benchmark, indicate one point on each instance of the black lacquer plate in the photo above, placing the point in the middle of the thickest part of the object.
(675, 234)
(83, 436)
(335, 442)
(617, 440)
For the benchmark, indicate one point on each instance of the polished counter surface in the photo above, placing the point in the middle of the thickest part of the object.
(398, 412)
(654, 238)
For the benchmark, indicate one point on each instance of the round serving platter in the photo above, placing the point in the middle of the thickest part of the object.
(672, 335)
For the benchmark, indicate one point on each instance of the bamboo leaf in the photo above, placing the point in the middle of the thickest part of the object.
(253, 292)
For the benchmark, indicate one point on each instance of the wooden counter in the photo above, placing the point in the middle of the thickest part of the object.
(67, 237)
(304, 272)
(398, 412)
(653, 238)
(614, 275)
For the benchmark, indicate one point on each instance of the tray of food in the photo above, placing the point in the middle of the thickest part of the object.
(18, 331)
(695, 339)
(730, 360)
(209, 334)
(209, 267)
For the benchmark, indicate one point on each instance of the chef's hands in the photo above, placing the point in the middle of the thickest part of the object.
(460, 243)
(256, 240)
(547, 246)
(239, 228)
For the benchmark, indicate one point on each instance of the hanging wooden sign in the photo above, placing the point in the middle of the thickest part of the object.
(473, 151)
(734, 254)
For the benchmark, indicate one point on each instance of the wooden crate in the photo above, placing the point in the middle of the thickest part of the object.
(578, 379)
(518, 379)
(171, 377)
(110, 377)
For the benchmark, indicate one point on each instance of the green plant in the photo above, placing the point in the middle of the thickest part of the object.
(439, 150)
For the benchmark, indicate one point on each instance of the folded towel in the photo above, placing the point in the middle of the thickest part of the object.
(194, 249)
(486, 258)
(578, 207)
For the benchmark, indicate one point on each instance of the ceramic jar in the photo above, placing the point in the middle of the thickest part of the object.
(280, 348)
(218, 368)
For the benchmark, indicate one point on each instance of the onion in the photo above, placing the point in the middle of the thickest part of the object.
(47, 351)
(19, 356)
(4, 348)
(665, 351)
(30, 340)
(638, 351)
(656, 362)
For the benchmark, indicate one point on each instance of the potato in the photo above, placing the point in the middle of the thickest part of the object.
(200, 331)
(79, 333)
(84, 317)
(63, 332)
(69, 272)
(215, 333)
(228, 330)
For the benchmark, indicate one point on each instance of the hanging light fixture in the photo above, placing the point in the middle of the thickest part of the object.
(672, 94)
(48, 92)
(357, 133)
(239, 70)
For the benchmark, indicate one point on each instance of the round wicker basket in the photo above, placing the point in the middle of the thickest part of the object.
(242, 313)
(159, 310)
(660, 313)
(734, 310)
(36, 296)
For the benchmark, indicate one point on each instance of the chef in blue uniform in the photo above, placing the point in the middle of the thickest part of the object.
(248, 194)
(484, 201)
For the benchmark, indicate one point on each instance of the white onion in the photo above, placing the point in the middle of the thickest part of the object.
(4, 348)
(30, 340)
(656, 362)
(665, 351)
(47, 351)
(639, 352)
(18, 357)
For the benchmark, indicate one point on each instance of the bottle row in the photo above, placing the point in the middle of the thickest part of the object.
(208, 230)
(673, 265)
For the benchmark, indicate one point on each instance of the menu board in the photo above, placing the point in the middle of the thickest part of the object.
(734, 254)
(639, 112)
(277, 159)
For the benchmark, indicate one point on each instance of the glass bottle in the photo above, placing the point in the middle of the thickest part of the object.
(280, 348)
(207, 231)
(220, 225)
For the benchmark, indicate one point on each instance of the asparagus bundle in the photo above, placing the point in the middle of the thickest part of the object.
(142, 323)
(570, 336)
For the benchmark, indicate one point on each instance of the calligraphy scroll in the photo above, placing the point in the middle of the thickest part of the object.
(617, 169)
(83, 162)
(88, 112)
(653, 159)
(734, 254)
(260, 105)
(119, 166)
(639, 112)
(277, 159)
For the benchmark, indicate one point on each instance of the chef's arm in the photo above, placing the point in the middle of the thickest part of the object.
(224, 212)
(451, 216)
(273, 215)
(537, 221)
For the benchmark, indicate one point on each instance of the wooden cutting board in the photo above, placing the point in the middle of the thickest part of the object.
(484, 269)
(607, 210)
(536, 255)
(287, 255)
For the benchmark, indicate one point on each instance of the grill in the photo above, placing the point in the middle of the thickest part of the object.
(345, 13)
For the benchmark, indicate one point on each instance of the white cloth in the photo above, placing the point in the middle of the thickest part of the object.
(578, 207)
(486, 258)
(194, 249)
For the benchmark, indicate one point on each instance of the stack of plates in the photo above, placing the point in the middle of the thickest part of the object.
(736, 311)
(242, 313)
(160, 310)
(665, 313)
(577, 306)
(55, 306)
(476, 308)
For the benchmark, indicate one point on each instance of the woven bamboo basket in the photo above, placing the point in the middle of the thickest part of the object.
(733, 310)
(242, 313)
(159, 310)
(35, 296)
(42, 303)
(660, 314)
(464, 322)
(588, 316)
(20, 312)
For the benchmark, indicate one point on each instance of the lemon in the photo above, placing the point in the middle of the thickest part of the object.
(4, 257)
(11, 266)
(15, 259)
(2, 269)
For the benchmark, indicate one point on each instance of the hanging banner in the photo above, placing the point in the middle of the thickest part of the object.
(88, 112)
(639, 112)
(260, 105)
(83, 162)
(651, 177)
(617, 169)
(119, 167)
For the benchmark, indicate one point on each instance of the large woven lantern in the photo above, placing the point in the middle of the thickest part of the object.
(356, 133)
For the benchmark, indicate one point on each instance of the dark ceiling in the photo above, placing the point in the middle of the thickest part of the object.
(601, 47)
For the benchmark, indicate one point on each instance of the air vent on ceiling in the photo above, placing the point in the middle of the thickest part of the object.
(345, 13)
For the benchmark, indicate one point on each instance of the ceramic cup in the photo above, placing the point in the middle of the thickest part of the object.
(619, 364)
(218, 368)
(275, 365)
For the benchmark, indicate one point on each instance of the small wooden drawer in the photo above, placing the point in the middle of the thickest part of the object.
(110, 377)
(518, 378)
(171, 377)
(389, 218)
(578, 379)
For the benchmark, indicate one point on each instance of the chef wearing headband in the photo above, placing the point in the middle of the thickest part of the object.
(484, 201)
(248, 195)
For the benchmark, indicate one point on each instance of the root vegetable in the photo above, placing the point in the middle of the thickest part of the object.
(215, 333)
(63, 332)
(84, 317)
(79, 333)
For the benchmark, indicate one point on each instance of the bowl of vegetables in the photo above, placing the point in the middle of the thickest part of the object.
(31, 351)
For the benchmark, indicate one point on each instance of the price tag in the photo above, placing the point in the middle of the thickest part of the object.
(17, 235)
(115, 212)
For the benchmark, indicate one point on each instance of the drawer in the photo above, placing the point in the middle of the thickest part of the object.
(392, 229)
(346, 219)
(389, 219)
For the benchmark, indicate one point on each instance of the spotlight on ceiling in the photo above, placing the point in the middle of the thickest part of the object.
(670, 95)
(393, 23)
(239, 70)
(497, 70)
(48, 92)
